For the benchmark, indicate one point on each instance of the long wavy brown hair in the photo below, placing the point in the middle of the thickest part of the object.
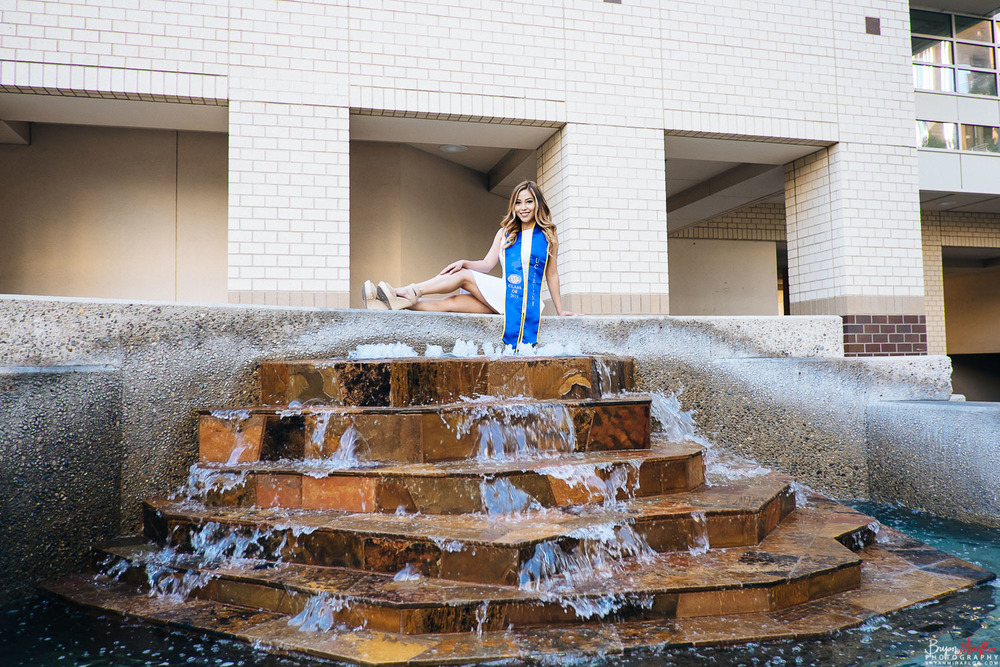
(543, 217)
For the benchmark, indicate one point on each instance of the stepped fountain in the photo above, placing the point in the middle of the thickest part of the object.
(461, 510)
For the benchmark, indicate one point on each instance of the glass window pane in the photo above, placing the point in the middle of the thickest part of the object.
(978, 30)
(980, 138)
(930, 50)
(926, 77)
(930, 23)
(973, 56)
(976, 83)
(932, 134)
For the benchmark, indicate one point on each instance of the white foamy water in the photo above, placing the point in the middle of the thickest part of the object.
(598, 552)
(166, 582)
(382, 351)
(679, 425)
(699, 537)
(516, 429)
(502, 498)
(319, 614)
(408, 573)
(618, 485)
(202, 482)
(452, 546)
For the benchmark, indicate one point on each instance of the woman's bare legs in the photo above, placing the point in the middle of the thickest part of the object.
(460, 303)
(473, 302)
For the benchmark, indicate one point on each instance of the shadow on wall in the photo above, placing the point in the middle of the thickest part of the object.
(977, 376)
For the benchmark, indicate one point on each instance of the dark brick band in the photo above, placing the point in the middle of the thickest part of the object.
(884, 335)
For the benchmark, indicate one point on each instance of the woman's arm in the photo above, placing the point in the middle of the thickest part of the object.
(552, 278)
(484, 265)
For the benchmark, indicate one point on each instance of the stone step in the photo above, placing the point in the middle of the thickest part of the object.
(896, 572)
(452, 487)
(426, 433)
(775, 574)
(438, 380)
(481, 548)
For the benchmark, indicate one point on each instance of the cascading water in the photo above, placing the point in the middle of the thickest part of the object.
(501, 498)
(516, 429)
(319, 613)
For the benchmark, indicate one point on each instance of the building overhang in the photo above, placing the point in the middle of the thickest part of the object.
(972, 7)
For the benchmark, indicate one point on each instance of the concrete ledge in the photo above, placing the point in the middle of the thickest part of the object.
(942, 457)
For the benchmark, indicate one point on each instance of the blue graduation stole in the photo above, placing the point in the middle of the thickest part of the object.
(523, 307)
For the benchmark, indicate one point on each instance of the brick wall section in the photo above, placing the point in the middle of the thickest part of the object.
(754, 222)
(884, 335)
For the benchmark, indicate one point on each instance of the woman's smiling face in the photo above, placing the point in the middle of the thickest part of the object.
(524, 207)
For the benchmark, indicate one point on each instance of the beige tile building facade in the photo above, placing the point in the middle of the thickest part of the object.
(660, 132)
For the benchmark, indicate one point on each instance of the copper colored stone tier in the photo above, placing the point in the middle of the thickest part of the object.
(802, 560)
(481, 548)
(895, 573)
(425, 434)
(454, 487)
(460, 511)
(432, 381)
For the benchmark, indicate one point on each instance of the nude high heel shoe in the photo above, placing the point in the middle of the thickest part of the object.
(387, 295)
(369, 295)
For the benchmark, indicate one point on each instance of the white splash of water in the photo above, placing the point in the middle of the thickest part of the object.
(679, 425)
(166, 582)
(516, 429)
(595, 552)
(599, 552)
(608, 482)
(408, 573)
(203, 482)
(433, 351)
(348, 455)
(295, 529)
(452, 546)
(117, 569)
(802, 494)
(465, 348)
(239, 416)
(603, 605)
(558, 350)
(319, 614)
(699, 537)
(382, 351)
(502, 498)
(675, 422)
(481, 615)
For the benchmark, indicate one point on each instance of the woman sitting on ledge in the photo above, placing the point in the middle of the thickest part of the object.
(526, 247)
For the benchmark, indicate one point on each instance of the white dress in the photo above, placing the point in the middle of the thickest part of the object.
(494, 289)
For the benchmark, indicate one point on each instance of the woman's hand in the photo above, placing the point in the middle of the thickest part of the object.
(567, 313)
(454, 267)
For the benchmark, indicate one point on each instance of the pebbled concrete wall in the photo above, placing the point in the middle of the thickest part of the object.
(942, 457)
(61, 457)
(771, 388)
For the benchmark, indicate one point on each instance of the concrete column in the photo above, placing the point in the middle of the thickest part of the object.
(289, 204)
(289, 150)
(606, 188)
(854, 246)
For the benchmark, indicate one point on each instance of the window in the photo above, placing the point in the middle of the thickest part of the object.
(981, 138)
(932, 134)
(954, 54)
